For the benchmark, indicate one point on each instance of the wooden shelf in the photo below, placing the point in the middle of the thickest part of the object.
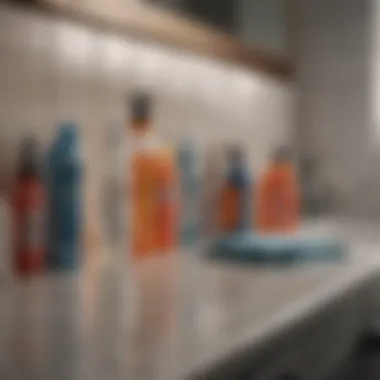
(146, 22)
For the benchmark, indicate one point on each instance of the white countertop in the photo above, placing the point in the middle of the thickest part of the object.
(165, 318)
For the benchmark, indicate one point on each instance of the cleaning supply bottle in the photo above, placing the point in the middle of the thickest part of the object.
(65, 198)
(114, 190)
(152, 181)
(278, 196)
(189, 194)
(28, 207)
(142, 151)
(236, 194)
(212, 180)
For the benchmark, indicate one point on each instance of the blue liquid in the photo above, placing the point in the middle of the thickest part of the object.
(238, 178)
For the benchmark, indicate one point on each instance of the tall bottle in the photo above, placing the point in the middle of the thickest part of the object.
(141, 162)
(114, 191)
(65, 198)
(150, 179)
(28, 207)
(236, 194)
(189, 183)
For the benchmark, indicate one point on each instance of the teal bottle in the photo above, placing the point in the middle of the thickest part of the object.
(238, 179)
(64, 167)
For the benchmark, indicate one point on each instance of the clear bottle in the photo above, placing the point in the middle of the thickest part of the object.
(211, 183)
(189, 186)
(114, 190)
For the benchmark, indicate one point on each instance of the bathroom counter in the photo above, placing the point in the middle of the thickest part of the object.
(171, 318)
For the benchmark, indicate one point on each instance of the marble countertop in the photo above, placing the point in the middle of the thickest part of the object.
(166, 318)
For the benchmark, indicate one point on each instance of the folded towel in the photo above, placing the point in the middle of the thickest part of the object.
(255, 248)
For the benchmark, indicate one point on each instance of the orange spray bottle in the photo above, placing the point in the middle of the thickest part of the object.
(277, 202)
(143, 179)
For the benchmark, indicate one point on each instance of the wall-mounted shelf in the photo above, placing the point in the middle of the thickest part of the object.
(144, 21)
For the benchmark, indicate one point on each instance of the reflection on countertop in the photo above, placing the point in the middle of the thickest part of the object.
(162, 319)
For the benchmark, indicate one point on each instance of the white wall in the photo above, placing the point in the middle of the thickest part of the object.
(53, 69)
(334, 119)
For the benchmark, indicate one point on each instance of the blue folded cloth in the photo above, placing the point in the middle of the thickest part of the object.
(255, 248)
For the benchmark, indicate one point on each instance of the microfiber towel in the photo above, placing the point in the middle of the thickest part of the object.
(255, 248)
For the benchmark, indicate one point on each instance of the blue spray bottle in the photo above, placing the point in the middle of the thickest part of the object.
(237, 194)
(189, 184)
(65, 188)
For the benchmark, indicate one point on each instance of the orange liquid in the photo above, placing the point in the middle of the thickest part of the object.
(277, 202)
(143, 202)
(154, 213)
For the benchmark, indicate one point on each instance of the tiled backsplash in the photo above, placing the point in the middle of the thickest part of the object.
(52, 69)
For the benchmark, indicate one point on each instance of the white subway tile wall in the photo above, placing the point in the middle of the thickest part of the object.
(52, 69)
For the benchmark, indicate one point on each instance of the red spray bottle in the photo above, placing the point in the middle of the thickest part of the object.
(28, 211)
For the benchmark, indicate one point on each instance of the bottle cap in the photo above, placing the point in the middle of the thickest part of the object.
(67, 136)
(67, 129)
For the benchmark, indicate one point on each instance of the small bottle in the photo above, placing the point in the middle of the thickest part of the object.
(65, 198)
(278, 195)
(114, 189)
(28, 207)
(212, 179)
(236, 194)
(189, 184)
